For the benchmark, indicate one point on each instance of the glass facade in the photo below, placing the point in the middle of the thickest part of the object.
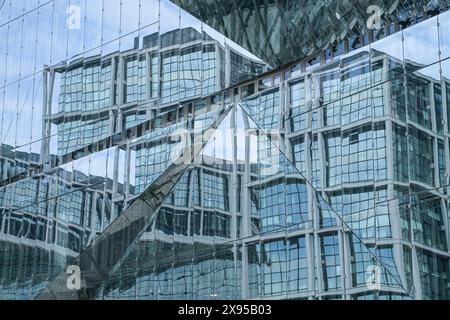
(163, 160)
(285, 32)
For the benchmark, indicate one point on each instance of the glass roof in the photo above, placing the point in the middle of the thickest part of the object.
(280, 32)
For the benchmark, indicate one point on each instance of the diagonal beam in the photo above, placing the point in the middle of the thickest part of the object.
(100, 258)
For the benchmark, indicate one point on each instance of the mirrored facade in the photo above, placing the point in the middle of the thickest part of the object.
(148, 150)
(283, 32)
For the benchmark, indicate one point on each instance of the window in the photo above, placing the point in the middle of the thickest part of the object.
(419, 101)
(298, 109)
(364, 154)
(299, 154)
(135, 79)
(331, 269)
(421, 158)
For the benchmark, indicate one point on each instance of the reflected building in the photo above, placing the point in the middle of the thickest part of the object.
(102, 95)
(361, 155)
(74, 207)
(46, 220)
(324, 177)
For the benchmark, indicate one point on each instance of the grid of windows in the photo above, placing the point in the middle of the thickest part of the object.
(329, 83)
(86, 88)
(365, 211)
(154, 73)
(180, 194)
(69, 138)
(254, 270)
(210, 58)
(296, 204)
(226, 279)
(408, 266)
(135, 118)
(361, 263)
(298, 108)
(93, 130)
(215, 191)
(242, 69)
(265, 109)
(277, 267)
(76, 134)
(151, 161)
(434, 275)
(171, 221)
(331, 268)
(358, 74)
(105, 85)
(419, 101)
(364, 154)
(269, 114)
(428, 221)
(400, 153)
(332, 114)
(382, 214)
(191, 72)
(368, 269)
(389, 273)
(316, 163)
(70, 98)
(274, 267)
(299, 154)
(91, 92)
(203, 276)
(442, 166)
(135, 88)
(270, 206)
(334, 158)
(421, 159)
(182, 284)
(216, 224)
(22, 262)
(398, 98)
(169, 76)
(362, 105)
(438, 107)
(297, 265)
(327, 216)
